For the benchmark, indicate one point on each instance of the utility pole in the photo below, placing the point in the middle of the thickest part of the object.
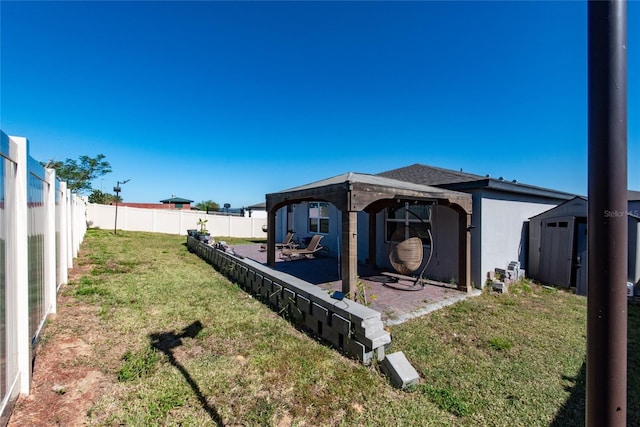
(117, 190)
(606, 401)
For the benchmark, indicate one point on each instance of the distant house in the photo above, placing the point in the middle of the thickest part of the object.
(173, 203)
(558, 244)
(177, 203)
(259, 210)
(498, 228)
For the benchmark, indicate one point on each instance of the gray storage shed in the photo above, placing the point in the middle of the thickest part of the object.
(558, 246)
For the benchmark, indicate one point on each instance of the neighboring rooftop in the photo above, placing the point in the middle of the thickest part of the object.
(176, 200)
(258, 206)
(633, 195)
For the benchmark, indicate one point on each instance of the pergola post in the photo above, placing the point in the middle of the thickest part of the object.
(464, 251)
(349, 268)
(271, 237)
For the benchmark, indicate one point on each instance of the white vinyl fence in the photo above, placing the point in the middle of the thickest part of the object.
(173, 221)
(41, 227)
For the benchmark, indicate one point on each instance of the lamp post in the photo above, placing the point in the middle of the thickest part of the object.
(117, 190)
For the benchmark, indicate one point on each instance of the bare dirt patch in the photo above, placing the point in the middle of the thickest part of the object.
(66, 381)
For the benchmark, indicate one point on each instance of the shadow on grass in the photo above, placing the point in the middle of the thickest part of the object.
(166, 342)
(572, 413)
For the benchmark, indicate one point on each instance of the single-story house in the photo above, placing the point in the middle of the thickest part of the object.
(558, 244)
(177, 202)
(420, 196)
(259, 210)
(501, 212)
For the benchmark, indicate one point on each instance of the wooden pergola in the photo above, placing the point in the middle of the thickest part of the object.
(353, 192)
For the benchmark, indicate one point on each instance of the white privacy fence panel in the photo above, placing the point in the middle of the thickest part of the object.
(41, 227)
(173, 221)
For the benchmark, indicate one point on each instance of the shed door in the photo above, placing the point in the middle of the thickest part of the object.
(556, 249)
(581, 260)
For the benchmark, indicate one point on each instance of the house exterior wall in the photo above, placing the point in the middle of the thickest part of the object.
(443, 265)
(299, 223)
(634, 208)
(503, 237)
(444, 262)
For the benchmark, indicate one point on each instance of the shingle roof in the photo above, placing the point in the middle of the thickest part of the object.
(429, 175)
(463, 181)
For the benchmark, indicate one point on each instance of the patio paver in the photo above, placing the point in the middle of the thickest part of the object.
(397, 302)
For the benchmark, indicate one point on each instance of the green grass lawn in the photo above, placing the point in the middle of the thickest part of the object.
(184, 346)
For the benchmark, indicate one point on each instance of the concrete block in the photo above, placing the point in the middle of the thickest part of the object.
(376, 339)
(257, 283)
(337, 331)
(362, 327)
(251, 277)
(243, 276)
(289, 299)
(333, 337)
(265, 290)
(399, 370)
(275, 297)
(320, 313)
(303, 303)
(317, 321)
(380, 353)
(356, 349)
(501, 287)
(340, 325)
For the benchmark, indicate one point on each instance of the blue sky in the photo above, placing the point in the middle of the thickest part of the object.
(230, 101)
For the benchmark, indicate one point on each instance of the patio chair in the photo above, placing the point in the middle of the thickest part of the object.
(286, 243)
(312, 248)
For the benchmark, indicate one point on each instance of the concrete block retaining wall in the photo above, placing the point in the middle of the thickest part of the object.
(352, 328)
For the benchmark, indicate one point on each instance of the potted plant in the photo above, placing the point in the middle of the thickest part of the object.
(203, 233)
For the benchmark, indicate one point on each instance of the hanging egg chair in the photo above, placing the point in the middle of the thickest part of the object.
(406, 253)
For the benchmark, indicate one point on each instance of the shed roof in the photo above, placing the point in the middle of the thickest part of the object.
(462, 181)
(574, 207)
(258, 206)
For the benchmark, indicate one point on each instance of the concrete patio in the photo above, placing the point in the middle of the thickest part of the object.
(397, 302)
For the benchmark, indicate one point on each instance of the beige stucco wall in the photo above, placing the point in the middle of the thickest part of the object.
(173, 221)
